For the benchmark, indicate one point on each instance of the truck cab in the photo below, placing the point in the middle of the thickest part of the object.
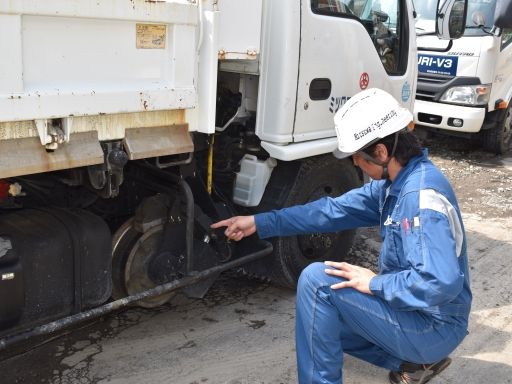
(465, 85)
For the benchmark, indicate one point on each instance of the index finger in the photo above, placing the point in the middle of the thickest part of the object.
(339, 265)
(222, 223)
(334, 264)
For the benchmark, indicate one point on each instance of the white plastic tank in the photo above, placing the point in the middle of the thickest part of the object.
(252, 179)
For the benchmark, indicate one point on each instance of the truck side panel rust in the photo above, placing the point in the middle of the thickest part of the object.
(27, 156)
(108, 127)
(157, 141)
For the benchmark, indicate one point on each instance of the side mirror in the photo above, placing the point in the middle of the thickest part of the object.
(451, 19)
(503, 14)
(380, 16)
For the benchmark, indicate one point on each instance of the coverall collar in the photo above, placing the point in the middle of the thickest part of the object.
(396, 185)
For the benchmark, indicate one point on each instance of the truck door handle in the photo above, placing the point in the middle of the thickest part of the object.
(320, 89)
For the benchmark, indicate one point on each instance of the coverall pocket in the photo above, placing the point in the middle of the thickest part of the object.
(392, 254)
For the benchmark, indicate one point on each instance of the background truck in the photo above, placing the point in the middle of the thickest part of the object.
(128, 127)
(465, 86)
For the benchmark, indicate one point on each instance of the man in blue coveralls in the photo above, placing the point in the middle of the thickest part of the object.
(411, 315)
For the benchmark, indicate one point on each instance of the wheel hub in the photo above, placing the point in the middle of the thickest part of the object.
(316, 245)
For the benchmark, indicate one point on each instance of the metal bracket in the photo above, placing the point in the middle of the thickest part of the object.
(42, 130)
(67, 123)
(50, 135)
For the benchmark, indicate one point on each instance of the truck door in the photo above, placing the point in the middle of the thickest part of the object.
(347, 46)
(502, 82)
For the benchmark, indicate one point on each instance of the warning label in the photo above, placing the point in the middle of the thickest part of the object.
(151, 36)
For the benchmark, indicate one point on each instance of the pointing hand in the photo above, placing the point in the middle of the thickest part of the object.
(238, 227)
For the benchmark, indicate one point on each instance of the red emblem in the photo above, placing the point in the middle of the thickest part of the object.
(364, 80)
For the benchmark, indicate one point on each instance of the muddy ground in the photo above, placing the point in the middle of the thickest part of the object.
(243, 330)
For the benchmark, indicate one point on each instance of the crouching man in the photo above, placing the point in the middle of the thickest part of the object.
(411, 315)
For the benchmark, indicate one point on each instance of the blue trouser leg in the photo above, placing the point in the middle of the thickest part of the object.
(331, 322)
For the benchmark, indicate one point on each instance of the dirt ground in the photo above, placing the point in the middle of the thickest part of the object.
(243, 330)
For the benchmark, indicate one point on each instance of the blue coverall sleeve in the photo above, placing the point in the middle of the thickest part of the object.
(431, 274)
(356, 208)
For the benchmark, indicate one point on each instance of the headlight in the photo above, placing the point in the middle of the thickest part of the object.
(468, 94)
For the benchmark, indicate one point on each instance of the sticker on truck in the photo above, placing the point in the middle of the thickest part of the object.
(438, 65)
(151, 36)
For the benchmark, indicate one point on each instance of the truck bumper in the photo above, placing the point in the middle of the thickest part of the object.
(439, 115)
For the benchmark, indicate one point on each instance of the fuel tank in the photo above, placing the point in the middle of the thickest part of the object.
(53, 262)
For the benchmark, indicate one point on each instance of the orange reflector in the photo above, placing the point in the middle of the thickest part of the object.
(501, 105)
(482, 90)
(410, 126)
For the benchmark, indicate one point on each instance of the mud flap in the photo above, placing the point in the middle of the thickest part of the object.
(27, 156)
(204, 258)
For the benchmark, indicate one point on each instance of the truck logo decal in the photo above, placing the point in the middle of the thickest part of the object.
(441, 65)
(337, 103)
(461, 53)
(406, 91)
(364, 80)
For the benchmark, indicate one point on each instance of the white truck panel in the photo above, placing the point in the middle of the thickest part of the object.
(71, 58)
(279, 70)
(300, 150)
(323, 55)
(343, 61)
(487, 50)
(10, 60)
(473, 117)
(240, 29)
(466, 49)
(476, 56)
(168, 11)
(502, 81)
(495, 61)
(207, 82)
(450, 75)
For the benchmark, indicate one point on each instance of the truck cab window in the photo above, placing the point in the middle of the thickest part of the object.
(334, 7)
(382, 21)
(480, 17)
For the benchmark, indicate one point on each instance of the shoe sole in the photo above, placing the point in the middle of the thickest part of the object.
(439, 369)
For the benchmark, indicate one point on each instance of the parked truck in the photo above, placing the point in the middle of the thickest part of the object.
(465, 86)
(128, 127)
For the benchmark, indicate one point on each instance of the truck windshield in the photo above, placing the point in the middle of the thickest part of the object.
(479, 21)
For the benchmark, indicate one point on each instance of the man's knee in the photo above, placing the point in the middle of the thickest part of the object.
(313, 276)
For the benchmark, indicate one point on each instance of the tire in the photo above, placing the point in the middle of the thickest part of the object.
(314, 178)
(499, 138)
(127, 280)
(122, 242)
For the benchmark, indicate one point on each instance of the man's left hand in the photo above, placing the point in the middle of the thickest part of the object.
(357, 277)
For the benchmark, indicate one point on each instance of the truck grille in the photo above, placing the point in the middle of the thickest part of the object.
(429, 86)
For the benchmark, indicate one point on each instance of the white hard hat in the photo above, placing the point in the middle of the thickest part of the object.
(367, 117)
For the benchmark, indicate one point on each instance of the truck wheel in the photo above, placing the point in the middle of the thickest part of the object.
(498, 139)
(130, 252)
(316, 178)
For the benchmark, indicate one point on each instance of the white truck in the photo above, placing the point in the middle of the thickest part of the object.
(128, 127)
(465, 86)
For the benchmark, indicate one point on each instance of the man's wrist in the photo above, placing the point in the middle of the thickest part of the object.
(376, 283)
